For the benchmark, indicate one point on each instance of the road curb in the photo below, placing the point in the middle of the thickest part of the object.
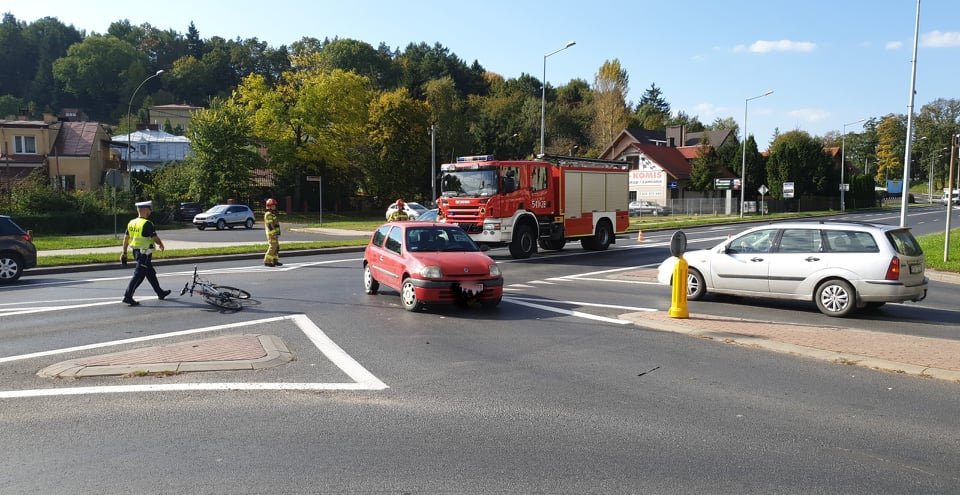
(191, 260)
(697, 328)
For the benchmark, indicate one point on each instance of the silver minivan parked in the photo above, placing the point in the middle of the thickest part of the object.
(840, 266)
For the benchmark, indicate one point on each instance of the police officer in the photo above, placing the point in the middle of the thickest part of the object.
(141, 235)
(272, 225)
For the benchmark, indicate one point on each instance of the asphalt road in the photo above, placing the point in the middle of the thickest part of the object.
(550, 393)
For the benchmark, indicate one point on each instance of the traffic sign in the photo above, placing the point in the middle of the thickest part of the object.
(722, 183)
(788, 189)
(844, 187)
(763, 190)
(313, 178)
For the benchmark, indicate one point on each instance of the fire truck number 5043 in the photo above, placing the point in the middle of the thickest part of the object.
(538, 204)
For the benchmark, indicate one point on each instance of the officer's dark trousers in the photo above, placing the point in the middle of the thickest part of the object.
(143, 270)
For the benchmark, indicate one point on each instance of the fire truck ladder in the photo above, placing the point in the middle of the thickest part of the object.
(579, 161)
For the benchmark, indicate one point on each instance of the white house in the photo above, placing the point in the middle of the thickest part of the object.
(149, 148)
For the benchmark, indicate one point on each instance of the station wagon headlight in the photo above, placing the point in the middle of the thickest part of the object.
(431, 272)
(494, 270)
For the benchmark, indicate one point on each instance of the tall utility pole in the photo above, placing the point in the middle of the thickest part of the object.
(906, 155)
(843, 161)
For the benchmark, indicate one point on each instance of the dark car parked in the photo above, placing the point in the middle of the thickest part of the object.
(186, 211)
(17, 251)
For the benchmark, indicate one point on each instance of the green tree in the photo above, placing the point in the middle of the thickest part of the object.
(104, 71)
(449, 113)
(799, 158)
(704, 168)
(891, 135)
(756, 167)
(692, 124)
(398, 153)
(224, 152)
(610, 88)
(653, 112)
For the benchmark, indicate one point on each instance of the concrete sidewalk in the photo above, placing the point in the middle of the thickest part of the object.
(921, 356)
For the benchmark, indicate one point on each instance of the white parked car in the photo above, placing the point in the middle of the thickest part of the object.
(412, 209)
(955, 199)
(223, 216)
(840, 266)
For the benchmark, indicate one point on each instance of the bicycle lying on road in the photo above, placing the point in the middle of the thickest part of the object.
(221, 296)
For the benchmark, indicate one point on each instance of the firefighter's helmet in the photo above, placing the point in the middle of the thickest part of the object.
(400, 203)
(271, 204)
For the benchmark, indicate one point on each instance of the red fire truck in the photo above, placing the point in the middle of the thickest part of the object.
(528, 203)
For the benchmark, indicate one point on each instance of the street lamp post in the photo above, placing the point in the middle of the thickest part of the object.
(743, 167)
(129, 107)
(433, 162)
(543, 96)
(843, 162)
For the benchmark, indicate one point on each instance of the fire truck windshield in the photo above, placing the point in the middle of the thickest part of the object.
(469, 183)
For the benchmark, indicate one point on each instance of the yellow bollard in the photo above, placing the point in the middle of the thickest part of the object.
(678, 307)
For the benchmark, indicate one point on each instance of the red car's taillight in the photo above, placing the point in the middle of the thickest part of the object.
(893, 271)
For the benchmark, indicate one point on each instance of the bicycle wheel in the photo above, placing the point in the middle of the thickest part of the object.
(232, 291)
(222, 300)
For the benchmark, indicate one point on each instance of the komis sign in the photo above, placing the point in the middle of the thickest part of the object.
(648, 178)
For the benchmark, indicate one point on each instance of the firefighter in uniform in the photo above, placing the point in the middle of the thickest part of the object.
(399, 214)
(272, 225)
(141, 236)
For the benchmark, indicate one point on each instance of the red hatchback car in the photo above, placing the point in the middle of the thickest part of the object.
(430, 263)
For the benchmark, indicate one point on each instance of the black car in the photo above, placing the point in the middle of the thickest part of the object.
(186, 211)
(17, 251)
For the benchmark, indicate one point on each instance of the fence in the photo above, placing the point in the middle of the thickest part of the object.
(718, 206)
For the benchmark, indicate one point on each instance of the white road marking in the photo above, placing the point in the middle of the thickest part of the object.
(615, 281)
(567, 312)
(363, 379)
(580, 303)
(520, 286)
(541, 282)
(14, 312)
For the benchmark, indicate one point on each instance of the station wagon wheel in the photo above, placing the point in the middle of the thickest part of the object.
(370, 285)
(221, 224)
(696, 286)
(11, 267)
(835, 298)
(408, 296)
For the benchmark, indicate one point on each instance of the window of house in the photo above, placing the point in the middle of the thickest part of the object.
(142, 149)
(25, 145)
(68, 182)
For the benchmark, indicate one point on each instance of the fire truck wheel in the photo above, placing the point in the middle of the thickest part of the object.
(524, 243)
(601, 239)
(604, 236)
(552, 244)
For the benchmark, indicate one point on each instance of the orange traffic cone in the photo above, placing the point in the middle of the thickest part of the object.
(639, 235)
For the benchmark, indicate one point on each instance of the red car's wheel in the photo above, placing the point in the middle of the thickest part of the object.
(408, 296)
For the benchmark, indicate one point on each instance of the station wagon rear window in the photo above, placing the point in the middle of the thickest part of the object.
(851, 241)
(904, 242)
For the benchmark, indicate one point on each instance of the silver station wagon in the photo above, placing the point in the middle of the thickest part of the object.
(841, 266)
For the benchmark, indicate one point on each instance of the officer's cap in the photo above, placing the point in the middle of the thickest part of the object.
(145, 204)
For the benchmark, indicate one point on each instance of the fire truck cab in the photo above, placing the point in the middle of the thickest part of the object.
(524, 204)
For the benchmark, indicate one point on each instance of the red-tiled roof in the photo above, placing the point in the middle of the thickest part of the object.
(670, 159)
(76, 138)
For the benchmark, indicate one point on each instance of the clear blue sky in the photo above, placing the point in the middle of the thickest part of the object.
(828, 62)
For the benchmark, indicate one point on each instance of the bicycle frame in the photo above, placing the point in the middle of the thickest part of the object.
(220, 296)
